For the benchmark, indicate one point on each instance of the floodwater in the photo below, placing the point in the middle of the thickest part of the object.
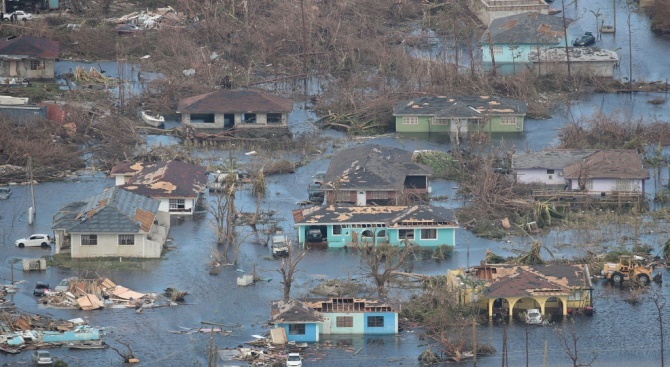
(622, 334)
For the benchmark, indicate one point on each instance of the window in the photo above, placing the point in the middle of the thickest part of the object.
(410, 120)
(440, 121)
(126, 239)
(508, 120)
(249, 118)
(36, 65)
(337, 229)
(550, 171)
(177, 204)
(296, 329)
(274, 118)
(406, 234)
(575, 296)
(379, 195)
(367, 233)
(201, 118)
(429, 234)
(623, 184)
(497, 50)
(89, 239)
(375, 321)
(344, 321)
(343, 196)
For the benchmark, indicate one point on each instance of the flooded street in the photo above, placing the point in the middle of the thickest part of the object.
(621, 333)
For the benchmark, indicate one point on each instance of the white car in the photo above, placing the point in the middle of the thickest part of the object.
(19, 15)
(36, 240)
(293, 360)
(42, 358)
(533, 317)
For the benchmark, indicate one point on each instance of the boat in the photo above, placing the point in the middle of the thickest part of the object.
(96, 344)
(9, 350)
(151, 119)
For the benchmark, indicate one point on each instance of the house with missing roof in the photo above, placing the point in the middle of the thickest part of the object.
(306, 319)
(113, 223)
(460, 114)
(510, 40)
(350, 226)
(177, 185)
(489, 10)
(372, 174)
(28, 57)
(238, 109)
(508, 290)
(592, 61)
(597, 172)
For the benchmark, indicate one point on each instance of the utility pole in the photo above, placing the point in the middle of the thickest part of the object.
(474, 341)
(565, 36)
(32, 210)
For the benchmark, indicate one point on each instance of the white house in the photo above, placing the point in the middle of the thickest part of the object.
(546, 167)
(114, 223)
(177, 185)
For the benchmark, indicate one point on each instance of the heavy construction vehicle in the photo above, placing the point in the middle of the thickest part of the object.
(628, 268)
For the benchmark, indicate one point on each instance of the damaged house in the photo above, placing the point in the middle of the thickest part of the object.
(114, 223)
(305, 320)
(28, 57)
(349, 226)
(507, 290)
(177, 185)
(375, 175)
(459, 115)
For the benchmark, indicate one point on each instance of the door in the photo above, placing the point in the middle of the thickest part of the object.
(360, 198)
(12, 68)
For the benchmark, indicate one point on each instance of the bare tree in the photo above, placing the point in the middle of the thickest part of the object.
(288, 269)
(569, 340)
(659, 301)
(381, 261)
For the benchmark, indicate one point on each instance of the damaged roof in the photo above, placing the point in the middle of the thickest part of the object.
(550, 158)
(460, 106)
(373, 167)
(525, 28)
(538, 280)
(112, 211)
(28, 47)
(238, 101)
(390, 216)
(171, 179)
(577, 54)
(293, 311)
(613, 163)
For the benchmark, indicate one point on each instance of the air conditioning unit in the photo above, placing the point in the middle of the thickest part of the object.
(560, 173)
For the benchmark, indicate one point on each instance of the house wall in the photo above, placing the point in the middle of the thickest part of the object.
(424, 125)
(311, 333)
(540, 176)
(22, 69)
(607, 185)
(261, 121)
(427, 125)
(496, 125)
(189, 204)
(445, 236)
(360, 323)
(390, 324)
(603, 69)
(108, 247)
(487, 10)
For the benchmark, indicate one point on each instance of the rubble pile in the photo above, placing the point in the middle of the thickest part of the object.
(151, 19)
(92, 294)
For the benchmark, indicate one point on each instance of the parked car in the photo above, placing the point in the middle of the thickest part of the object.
(293, 360)
(36, 240)
(40, 289)
(533, 317)
(127, 29)
(5, 192)
(42, 358)
(586, 39)
(314, 235)
(20, 15)
(279, 246)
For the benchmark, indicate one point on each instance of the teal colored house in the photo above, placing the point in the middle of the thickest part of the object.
(304, 320)
(342, 226)
(509, 40)
(460, 114)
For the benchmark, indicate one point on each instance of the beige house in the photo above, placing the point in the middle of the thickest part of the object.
(27, 57)
(240, 109)
(114, 223)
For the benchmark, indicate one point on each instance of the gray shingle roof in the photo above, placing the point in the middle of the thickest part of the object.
(391, 216)
(237, 101)
(112, 211)
(460, 106)
(526, 28)
(171, 179)
(550, 159)
(373, 167)
(614, 163)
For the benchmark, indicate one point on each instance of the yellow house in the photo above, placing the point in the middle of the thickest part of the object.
(510, 289)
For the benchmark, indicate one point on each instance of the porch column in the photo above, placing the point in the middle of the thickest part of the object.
(542, 304)
(490, 307)
(511, 307)
(564, 301)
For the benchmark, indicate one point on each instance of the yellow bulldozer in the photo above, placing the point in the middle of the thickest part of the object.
(628, 268)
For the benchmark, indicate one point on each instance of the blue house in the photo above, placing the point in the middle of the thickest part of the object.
(342, 226)
(304, 320)
(509, 40)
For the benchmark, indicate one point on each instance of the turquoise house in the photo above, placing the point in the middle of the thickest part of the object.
(349, 226)
(304, 320)
(509, 40)
(460, 115)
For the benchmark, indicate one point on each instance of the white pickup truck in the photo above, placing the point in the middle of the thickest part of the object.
(20, 15)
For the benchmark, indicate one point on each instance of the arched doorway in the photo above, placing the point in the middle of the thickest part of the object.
(524, 304)
(553, 307)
